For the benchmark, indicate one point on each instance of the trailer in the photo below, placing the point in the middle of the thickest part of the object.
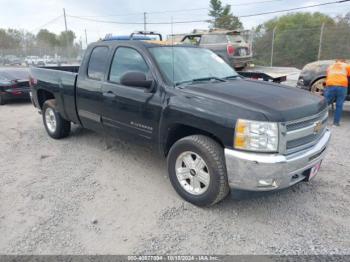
(271, 74)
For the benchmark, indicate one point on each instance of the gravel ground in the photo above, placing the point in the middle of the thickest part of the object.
(90, 195)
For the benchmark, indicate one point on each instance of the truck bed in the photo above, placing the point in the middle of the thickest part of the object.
(61, 81)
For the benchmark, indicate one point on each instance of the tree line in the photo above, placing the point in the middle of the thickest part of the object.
(20, 42)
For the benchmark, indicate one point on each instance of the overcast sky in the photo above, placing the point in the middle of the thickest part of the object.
(32, 15)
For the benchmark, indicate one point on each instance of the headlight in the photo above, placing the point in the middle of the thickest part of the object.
(256, 136)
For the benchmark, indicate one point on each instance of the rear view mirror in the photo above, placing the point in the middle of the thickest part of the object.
(136, 79)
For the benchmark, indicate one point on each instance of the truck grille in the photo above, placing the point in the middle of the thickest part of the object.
(303, 141)
(304, 133)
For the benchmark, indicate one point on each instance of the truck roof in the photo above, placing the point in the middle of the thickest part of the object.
(141, 43)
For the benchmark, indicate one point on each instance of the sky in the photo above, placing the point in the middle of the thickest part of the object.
(32, 15)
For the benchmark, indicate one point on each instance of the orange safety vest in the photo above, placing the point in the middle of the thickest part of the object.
(337, 74)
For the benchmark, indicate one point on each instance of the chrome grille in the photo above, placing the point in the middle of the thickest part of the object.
(303, 133)
(302, 124)
(304, 140)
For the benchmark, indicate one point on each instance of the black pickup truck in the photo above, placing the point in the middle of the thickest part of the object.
(218, 130)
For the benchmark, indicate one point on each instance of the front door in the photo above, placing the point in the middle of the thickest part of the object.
(130, 110)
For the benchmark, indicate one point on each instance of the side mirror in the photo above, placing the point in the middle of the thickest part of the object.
(136, 79)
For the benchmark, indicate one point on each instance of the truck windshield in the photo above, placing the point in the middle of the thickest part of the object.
(186, 64)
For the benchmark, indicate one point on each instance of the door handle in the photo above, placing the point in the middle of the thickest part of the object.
(110, 94)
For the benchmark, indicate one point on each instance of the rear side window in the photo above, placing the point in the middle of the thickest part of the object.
(235, 38)
(98, 63)
(126, 60)
(214, 39)
(192, 40)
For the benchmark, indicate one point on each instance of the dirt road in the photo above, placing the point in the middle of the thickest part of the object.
(88, 195)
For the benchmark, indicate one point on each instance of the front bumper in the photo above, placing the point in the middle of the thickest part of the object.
(301, 85)
(265, 172)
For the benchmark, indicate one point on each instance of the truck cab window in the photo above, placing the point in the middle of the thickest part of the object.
(214, 39)
(126, 60)
(98, 63)
(192, 40)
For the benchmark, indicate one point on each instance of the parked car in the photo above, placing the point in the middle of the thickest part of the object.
(14, 84)
(31, 60)
(12, 60)
(313, 77)
(36, 60)
(217, 129)
(229, 45)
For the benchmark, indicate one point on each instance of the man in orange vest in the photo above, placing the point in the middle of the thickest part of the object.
(337, 86)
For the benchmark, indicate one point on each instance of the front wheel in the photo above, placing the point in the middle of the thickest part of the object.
(318, 86)
(55, 125)
(197, 170)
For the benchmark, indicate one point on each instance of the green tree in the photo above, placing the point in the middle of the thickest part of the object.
(296, 39)
(223, 17)
(10, 39)
(66, 39)
(46, 39)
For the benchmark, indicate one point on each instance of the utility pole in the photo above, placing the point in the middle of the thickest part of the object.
(86, 38)
(320, 45)
(66, 28)
(144, 21)
(65, 19)
(272, 45)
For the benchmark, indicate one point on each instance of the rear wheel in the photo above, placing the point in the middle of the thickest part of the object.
(197, 170)
(318, 86)
(55, 125)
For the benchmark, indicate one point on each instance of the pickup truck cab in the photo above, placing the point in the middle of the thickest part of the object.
(216, 129)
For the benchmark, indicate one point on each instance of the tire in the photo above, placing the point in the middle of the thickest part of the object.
(2, 100)
(318, 86)
(213, 185)
(55, 125)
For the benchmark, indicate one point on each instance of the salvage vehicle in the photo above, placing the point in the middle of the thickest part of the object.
(313, 77)
(12, 60)
(14, 84)
(229, 45)
(216, 129)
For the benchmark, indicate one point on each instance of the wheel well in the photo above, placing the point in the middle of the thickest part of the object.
(44, 95)
(318, 78)
(178, 132)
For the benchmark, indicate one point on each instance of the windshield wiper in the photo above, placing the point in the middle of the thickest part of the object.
(209, 78)
(231, 77)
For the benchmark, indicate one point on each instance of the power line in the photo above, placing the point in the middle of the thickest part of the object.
(205, 21)
(47, 23)
(135, 23)
(181, 10)
(293, 9)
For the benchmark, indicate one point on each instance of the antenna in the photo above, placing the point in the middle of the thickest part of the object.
(172, 48)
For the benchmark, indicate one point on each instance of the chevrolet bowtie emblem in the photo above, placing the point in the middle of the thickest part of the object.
(317, 127)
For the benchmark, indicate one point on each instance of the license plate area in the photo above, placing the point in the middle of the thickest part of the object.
(313, 171)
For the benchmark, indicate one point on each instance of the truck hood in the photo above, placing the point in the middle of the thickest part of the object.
(277, 102)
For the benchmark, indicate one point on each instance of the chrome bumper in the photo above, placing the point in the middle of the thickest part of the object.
(265, 172)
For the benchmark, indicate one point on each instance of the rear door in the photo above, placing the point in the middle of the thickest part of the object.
(89, 86)
(130, 110)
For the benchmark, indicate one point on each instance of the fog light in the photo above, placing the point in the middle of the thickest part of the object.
(267, 183)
